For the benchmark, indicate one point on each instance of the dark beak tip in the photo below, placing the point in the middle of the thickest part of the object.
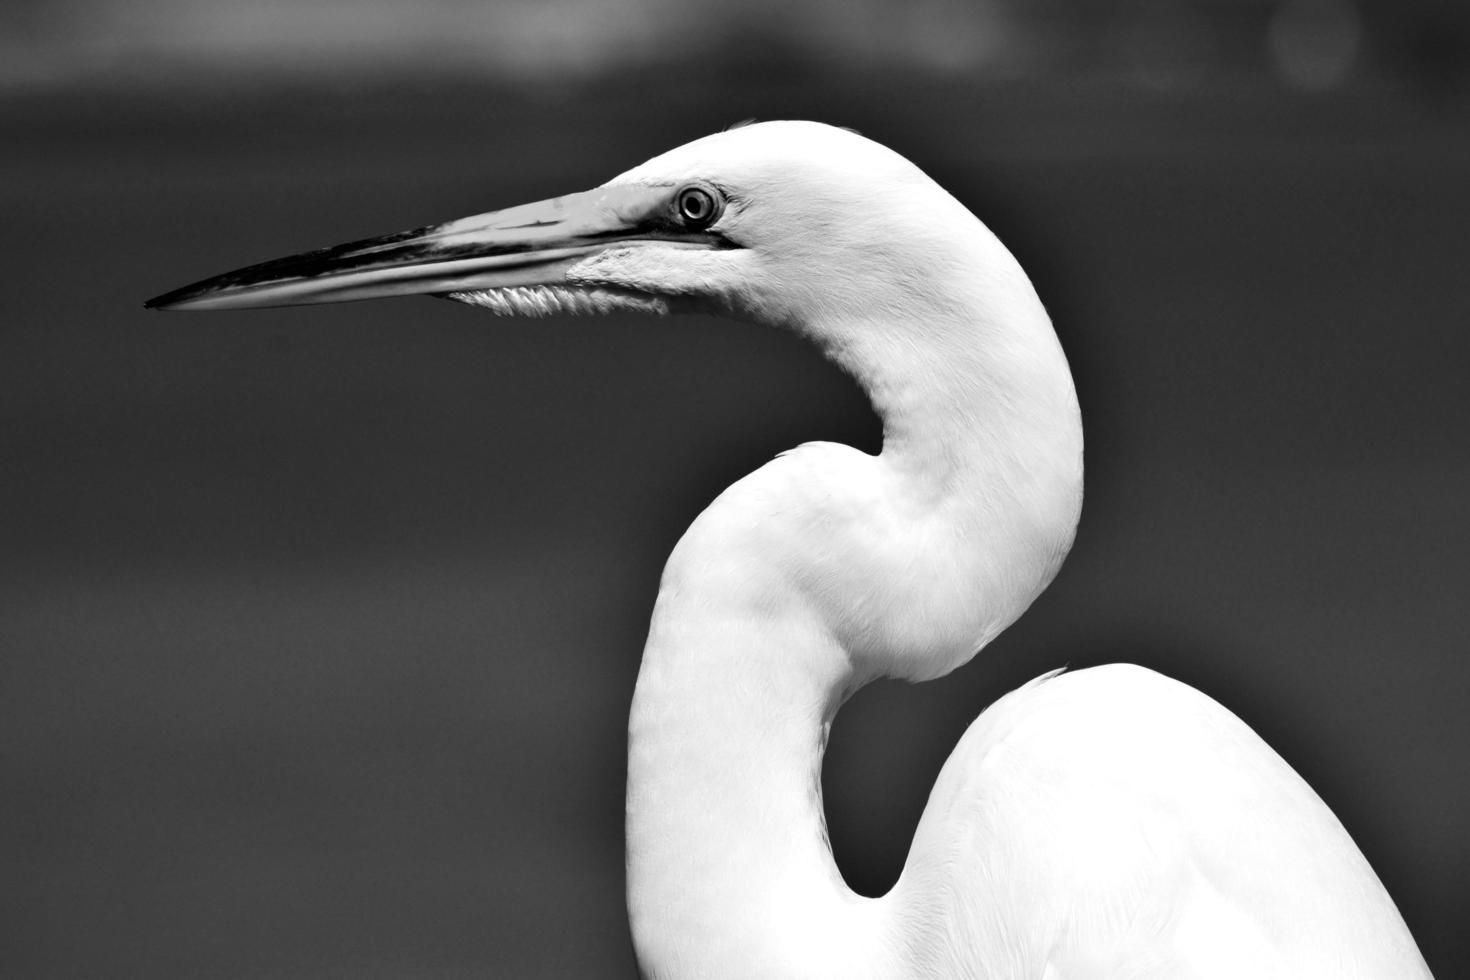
(171, 300)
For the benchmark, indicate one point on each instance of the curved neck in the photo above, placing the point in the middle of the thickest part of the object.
(803, 581)
(729, 869)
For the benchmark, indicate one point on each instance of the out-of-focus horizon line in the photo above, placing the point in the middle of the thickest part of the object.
(1314, 46)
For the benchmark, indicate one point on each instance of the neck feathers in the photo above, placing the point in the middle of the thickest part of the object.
(820, 571)
(982, 450)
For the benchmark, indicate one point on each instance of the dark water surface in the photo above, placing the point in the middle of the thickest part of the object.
(320, 626)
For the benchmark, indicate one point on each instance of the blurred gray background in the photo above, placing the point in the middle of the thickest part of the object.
(318, 627)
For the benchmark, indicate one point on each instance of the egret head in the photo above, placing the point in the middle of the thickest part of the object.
(819, 230)
(781, 222)
(811, 217)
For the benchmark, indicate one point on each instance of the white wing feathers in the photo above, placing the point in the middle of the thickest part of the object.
(1112, 823)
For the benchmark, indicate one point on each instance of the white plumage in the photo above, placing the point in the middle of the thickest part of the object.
(1107, 823)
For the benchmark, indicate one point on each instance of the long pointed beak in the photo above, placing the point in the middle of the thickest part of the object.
(530, 245)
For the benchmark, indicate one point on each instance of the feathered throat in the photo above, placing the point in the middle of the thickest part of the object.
(540, 301)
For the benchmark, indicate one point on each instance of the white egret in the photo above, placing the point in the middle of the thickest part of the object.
(1104, 823)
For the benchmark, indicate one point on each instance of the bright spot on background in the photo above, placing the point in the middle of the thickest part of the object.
(1314, 43)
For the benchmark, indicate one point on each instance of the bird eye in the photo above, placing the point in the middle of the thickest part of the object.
(698, 207)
